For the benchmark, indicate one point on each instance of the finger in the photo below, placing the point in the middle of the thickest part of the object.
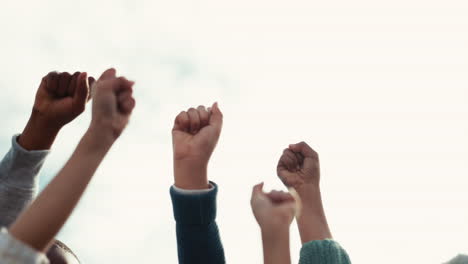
(52, 82)
(280, 196)
(287, 160)
(81, 93)
(124, 85)
(274, 195)
(124, 95)
(182, 122)
(108, 74)
(292, 156)
(257, 189)
(299, 159)
(71, 89)
(304, 149)
(91, 82)
(127, 105)
(216, 118)
(64, 79)
(204, 116)
(194, 120)
(123, 99)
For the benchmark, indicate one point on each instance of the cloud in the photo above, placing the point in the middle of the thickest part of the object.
(379, 89)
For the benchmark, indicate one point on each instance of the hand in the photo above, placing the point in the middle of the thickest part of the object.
(273, 210)
(61, 97)
(112, 105)
(299, 166)
(194, 137)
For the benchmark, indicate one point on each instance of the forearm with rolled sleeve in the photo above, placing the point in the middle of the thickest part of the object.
(19, 180)
(198, 239)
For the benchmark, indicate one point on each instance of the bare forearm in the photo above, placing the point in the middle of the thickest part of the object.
(276, 246)
(39, 224)
(37, 135)
(190, 175)
(312, 222)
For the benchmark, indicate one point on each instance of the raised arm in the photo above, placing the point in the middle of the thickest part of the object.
(299, 168)
(195, 135)
(112, 105)
(60, 98)
(274, 212)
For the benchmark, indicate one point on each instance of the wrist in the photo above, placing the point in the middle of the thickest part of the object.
(276, 245)
(191, 175)
(274, 231)
(308, 191)
(97, 139)
(38, 134)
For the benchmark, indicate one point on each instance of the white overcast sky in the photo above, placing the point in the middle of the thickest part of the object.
(378, 88)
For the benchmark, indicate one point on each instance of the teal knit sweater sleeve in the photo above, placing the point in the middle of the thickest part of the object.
(323, 252)
(198, 239)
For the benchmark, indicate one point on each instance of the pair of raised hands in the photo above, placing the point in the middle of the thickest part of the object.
(62, 97)
(298, 169)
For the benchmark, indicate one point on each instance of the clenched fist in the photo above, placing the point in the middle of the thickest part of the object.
(112, 104)
(194, 137)
(299, 166)
(273, 210)
(60, 98)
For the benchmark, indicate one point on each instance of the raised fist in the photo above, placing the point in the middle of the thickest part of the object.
(61, 97)
(272, 210)
(194, 137)
(196, 133)
(298, 166)
(112, 103)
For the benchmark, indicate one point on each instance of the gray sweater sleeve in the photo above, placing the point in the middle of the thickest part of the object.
(18, 180)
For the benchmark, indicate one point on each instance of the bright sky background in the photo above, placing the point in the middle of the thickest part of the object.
(378, 88)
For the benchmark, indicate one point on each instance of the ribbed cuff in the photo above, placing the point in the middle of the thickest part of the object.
(194, 209)
(196, 191)
(323, 252)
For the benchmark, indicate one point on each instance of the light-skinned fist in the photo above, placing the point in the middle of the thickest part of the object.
(194, 138)
(299, 166)
(113, 103)
(274, 210)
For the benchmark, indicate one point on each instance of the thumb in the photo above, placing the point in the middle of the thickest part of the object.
(108, 74)
(257, 191)
(81, 92)
(216, 118)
